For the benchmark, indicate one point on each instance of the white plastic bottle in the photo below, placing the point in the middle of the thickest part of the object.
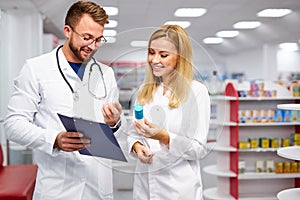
(215, 84)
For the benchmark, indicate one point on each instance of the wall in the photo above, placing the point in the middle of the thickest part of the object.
(288, 61)
(267, 62)
(21, 38)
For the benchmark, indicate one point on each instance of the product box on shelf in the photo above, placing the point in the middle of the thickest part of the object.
(274, 142)
(295, 115)
(244, 145)
(287, 115)
(285, 142)
(286, 167)
(294, 167)
(278, 115)
(270, 166)
(242, 166)
(264, 142)
(253, 143)
(259, 166)
(279, 167)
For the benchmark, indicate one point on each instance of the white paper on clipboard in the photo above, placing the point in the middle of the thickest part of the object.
(103, 142)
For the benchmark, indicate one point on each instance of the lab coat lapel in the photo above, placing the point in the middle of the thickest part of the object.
(69, 73)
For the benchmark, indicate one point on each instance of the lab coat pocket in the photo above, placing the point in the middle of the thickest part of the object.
(189, 181)
(56, 96)
(54, 176)
(105, 180)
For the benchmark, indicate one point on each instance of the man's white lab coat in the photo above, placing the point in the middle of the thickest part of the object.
(40, 92)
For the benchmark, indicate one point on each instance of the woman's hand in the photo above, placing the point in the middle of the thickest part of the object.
(153, 131)
(142, 152)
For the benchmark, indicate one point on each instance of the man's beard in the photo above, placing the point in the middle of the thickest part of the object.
(76, 52)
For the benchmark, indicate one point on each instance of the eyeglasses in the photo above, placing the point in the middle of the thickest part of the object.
(88, 40)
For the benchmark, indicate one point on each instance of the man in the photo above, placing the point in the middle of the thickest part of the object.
(60, 82)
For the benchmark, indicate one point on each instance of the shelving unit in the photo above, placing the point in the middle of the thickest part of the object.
(248, 185)
(293, 153)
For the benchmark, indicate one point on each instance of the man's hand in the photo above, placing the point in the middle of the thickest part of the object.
(71, 141)
(111, 113)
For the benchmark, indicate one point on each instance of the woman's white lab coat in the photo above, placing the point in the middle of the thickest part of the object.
(175, 171)
(39, 94)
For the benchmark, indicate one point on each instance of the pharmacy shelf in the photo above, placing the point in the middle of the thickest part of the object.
(258, 124)
(258, 150)
(213, 193)
(292, 152)
(289, 194)
(228, 98)
(248, 185)
(224, 148)
(289, 106)
(212, 169)
(265, 175)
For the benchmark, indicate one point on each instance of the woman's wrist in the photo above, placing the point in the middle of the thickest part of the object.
(165, 139)
(135, 146)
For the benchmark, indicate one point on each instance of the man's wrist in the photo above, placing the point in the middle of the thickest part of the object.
(116, 127)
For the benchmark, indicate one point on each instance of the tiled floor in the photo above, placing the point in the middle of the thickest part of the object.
(122, 194)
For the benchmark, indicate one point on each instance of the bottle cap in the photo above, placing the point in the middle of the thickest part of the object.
(138, 111)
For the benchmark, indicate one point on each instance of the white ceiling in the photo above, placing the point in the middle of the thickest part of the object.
(136, 16)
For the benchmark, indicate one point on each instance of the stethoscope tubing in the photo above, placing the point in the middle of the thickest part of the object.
(62, 74)
(75, 95)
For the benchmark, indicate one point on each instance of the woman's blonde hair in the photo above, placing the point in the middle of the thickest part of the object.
(182, 76)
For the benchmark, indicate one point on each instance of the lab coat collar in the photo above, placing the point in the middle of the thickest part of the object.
(69, 72)
(161, 91)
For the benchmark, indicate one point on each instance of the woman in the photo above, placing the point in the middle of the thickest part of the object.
(171, 139)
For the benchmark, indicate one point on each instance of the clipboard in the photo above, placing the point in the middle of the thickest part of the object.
(103, 141)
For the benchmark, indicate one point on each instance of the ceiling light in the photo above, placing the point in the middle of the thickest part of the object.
(273, 12)
(289, 46)
(246, 25)
(109, 33)
(183, 24)
(111, 24)
(111, 11)
(111, 39)
(190, 12)
(227, 34)
(212, 40)
(139, 43)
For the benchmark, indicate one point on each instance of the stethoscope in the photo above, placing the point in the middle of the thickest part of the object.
(75, 93)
